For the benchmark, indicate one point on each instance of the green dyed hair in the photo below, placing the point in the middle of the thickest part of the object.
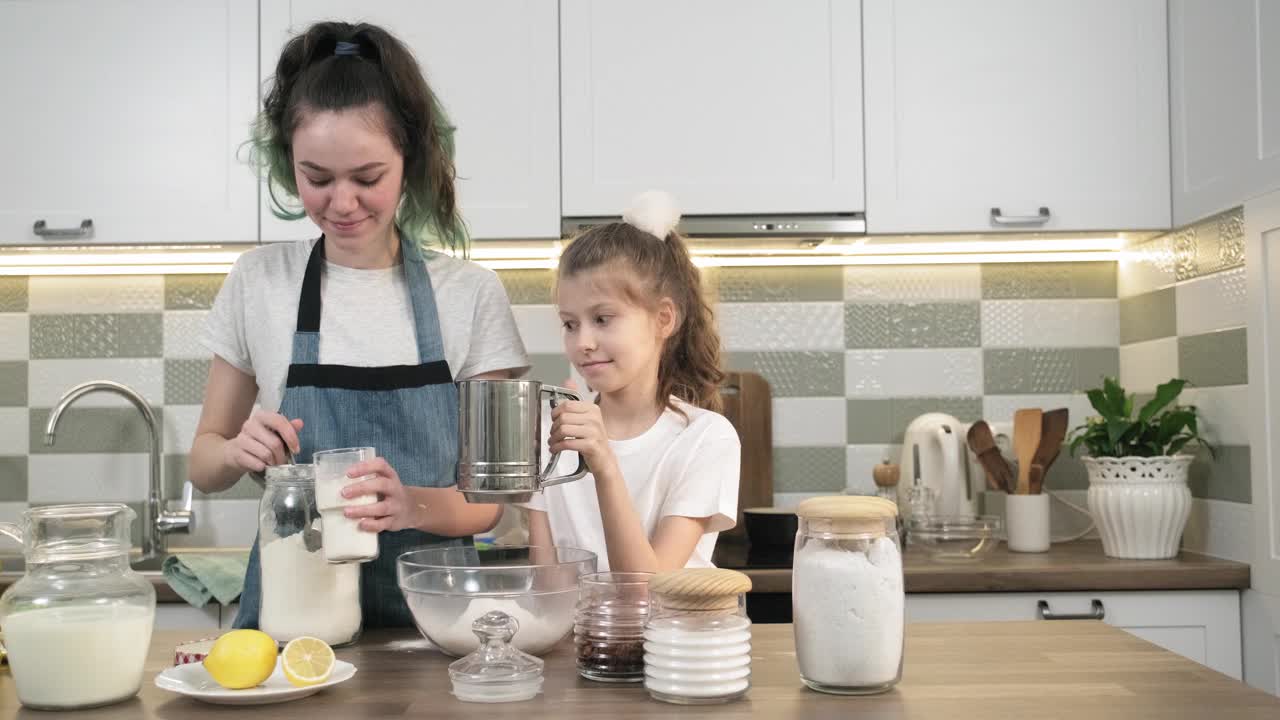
(375, 70)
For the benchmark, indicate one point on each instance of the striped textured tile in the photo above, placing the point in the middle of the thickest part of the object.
(182, 331)
(1145, 365)
(809, 469)
(13, 468)
(92, 430)
(1146, 268)
(13, 430)
(859, 462)
(794, 374)
(1224, 412)
(191, 292)
(51, 378)
(111, 335)
(1023, 281)
(13, 294)
(1211, 303)
(1022, 371)
(912, 283)
(528, 287)
(912, 325)
(184, 381)
(802, 421)
(781, 326)
(13, 384)
(15, 336)
(1225, 476)
(539, 327)
(777, 284)
(89, 477)
(97, 293)
(899, 373)
(1149, 316)
(1219, 358)
(552, 369)
(175, 476)
(1056, 323)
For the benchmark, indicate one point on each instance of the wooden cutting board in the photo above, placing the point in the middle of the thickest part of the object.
(748, 404)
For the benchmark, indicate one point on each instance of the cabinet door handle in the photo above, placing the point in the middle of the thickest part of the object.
(1098, 612)
(1040, 218)
(42, 229)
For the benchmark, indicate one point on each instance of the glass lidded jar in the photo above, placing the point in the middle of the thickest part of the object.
(608, 625)
(698, 638)
(302, 593)
(847, 595)
(77, 625)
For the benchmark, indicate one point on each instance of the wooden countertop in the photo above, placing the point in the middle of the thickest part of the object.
(1071, 670)
(1073, 566)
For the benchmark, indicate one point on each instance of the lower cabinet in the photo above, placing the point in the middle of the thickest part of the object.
(1203, 625)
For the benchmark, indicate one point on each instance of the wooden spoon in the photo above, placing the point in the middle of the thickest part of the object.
(981, 442)
(1053, 430)
(1026, 438)
(1035, 479)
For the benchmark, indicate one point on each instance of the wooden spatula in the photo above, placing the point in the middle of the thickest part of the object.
(1053, 430)
(981, 442)
(1026, 438)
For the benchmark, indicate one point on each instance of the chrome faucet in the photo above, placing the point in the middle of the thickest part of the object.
(158, 520)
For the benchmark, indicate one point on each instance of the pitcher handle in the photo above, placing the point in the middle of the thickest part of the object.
(11, 531)
(543, 481)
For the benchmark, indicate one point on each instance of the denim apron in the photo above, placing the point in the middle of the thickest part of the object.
(408, 413)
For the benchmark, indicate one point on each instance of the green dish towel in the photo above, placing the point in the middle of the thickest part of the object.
(199, 577)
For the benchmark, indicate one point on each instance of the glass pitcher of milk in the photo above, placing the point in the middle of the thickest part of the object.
(77, 626)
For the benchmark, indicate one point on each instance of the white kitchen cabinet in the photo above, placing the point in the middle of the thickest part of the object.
(493, 65)
(1203, 625)
(127, 117)
(181, 616)
(734, 106)
(1224, 76)
(994, 115)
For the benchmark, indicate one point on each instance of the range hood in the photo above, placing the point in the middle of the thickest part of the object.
(746, 226)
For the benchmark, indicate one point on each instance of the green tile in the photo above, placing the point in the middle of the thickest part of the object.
(13, 383)
(1148, 316)
(175, 475)
(191, 292)
(794, 374)
(1067, 473)
(92, 430)
(184, 381)
(1092, 365)
(1212, 359)
(528, 287)
(1223, 477)
(809, 469)
(774, 284)
(1021, 281)
(13, 294)
(1019, 371)
(906, 409)
(108, 335)
(912, 325)
(551, 369)
(13, 468)
(868, 421)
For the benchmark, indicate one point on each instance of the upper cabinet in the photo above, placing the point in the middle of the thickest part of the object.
(992, 115)
(1225, 92)
(122, 122)
(735, 106)
(494, 66)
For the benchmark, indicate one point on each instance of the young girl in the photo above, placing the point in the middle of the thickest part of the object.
(664, 465)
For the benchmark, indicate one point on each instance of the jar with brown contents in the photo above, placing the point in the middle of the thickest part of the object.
(608, 629)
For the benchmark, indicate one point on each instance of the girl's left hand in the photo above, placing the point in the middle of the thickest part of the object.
(394, 509)
(578, 426)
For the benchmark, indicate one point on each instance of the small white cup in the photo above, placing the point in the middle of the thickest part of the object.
(342, 538)
(1026, 520)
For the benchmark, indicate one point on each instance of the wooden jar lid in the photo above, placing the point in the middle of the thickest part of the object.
(700, 588)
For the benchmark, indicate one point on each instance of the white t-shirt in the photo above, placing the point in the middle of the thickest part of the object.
(366, 317)
(673, 468)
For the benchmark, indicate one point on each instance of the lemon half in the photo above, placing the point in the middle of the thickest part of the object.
(307, 661)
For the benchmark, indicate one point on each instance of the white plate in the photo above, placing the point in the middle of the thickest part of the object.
(194, 681)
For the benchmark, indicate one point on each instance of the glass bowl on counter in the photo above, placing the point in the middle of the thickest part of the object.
(446, 589)
(954, 538)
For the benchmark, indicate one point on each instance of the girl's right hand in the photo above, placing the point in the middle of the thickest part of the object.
(262, 441)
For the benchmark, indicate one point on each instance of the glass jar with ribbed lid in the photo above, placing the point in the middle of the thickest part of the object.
(698, 639)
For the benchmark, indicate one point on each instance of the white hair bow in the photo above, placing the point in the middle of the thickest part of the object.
(653, 211)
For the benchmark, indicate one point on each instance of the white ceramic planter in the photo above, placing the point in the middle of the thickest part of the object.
(1140, 504)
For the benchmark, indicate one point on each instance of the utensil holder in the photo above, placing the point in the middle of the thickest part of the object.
(1027, 522)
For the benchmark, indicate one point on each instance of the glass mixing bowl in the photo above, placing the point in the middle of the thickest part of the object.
(954, 538)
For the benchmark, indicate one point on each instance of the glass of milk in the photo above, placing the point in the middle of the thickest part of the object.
(343, 540)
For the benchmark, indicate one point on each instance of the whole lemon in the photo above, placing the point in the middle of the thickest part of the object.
(241, 659)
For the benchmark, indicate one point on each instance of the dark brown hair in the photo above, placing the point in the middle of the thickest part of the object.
(649, 270)
(374, 70)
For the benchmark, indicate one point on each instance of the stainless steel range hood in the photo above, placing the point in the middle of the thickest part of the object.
(746, 226)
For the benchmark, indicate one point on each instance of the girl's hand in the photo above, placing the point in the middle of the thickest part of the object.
(578, 426)
(262, 441)
(394, 510)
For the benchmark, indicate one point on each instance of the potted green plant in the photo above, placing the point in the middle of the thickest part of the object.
(1138, 467)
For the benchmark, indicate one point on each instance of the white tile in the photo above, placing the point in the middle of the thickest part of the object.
(943, 372)
(1050, 323)
(1145, 365)
(539, 327)
(1146, 268)
(888, 283)
(1224, 412)
(792, 499)
(809, 422)
(182, 331)
(1220, 528)
(47, 380)
(781, 326)
(88, 477)
(179, 427)
(11, 512)
(15, 336)
(1213, 302)
(220, 523)
(96, 294)
(15, 431)
(1000, 408)
(859, 461)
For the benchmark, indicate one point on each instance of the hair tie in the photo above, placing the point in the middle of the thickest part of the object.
(655, 212)
(346, 48)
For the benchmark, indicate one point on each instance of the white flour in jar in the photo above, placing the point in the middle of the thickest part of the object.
(304, 594)
(849, 611)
